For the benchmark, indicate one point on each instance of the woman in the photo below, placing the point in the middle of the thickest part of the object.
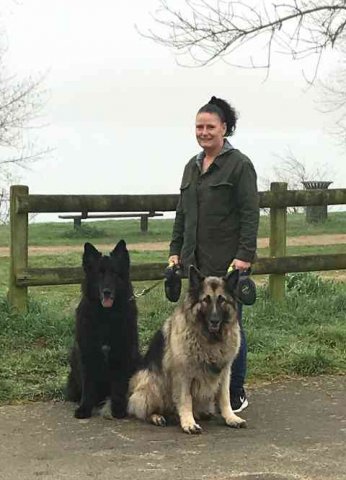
(217, 215)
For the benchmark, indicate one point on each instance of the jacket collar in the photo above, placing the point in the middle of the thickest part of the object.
(226, 148)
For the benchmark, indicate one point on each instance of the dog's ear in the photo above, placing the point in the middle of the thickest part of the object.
(231, 280)
(119, 248)
(89, 249)
(90, 254)
(121, 254)
(195, 280)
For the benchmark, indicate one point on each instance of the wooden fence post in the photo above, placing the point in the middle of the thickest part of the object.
(144, 223)
(18, 296)
(277, 242)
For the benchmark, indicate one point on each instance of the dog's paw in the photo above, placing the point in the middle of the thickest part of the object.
(119, 408)
(158, 420)
(82, 412)
(192, 429)
(105, 411)
(119, 412)
(235, 422)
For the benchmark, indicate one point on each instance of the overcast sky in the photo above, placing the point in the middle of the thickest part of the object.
(120, 113)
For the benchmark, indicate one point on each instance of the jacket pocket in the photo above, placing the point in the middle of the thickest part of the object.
(222, 185)
(185, 185)
(219, 198)
(185, 194)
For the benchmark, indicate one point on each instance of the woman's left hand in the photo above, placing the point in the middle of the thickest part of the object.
(241, 265)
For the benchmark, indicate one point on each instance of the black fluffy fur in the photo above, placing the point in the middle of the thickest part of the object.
(154, 356)
(105, 352)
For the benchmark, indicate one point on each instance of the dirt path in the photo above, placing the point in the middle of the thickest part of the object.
(325, 239)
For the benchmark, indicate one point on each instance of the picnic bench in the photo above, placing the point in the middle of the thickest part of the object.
(77, 219)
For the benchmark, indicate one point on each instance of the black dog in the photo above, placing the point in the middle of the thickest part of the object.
(105, 352)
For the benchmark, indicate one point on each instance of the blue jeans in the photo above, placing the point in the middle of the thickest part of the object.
(238, 370)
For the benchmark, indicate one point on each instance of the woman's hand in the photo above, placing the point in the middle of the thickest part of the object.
(240, 265)
(174, 259)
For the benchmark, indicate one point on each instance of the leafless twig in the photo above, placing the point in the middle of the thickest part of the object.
(207, 30)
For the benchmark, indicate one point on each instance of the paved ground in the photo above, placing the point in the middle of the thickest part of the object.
(297, 430)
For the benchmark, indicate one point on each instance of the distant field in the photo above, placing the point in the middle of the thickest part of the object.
(45, 234)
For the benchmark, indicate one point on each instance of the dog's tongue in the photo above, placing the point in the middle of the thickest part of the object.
(107, 302)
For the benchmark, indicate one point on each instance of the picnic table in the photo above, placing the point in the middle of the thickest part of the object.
(77, 219)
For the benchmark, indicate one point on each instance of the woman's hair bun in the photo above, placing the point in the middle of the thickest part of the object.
(224, 110)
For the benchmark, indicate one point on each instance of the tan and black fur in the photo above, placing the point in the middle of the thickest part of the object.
(187, 367)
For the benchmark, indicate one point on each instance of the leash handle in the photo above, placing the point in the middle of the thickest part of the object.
(231, 268)
(172, 281)
(173, 269)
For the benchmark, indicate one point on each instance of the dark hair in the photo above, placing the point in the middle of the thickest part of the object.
(223, 109)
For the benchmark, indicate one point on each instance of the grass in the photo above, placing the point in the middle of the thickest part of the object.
(304, 335)
(111, 231)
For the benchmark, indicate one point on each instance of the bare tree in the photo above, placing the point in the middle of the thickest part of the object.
(20, 103)
(7, 178)
(333, 99)
(207, 30)
(294, 172)
(4, 206)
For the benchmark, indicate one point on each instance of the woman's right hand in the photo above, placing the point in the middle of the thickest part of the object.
(174, 259)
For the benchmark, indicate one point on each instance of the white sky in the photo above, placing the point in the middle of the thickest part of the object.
(120, 114)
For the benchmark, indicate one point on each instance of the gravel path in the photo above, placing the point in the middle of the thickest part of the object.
(296, 431)
(326, 239)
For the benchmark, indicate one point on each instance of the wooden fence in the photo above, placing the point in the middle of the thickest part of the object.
(277, 200)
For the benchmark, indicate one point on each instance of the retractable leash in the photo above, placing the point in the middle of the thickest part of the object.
(172, 284)
(245, 290)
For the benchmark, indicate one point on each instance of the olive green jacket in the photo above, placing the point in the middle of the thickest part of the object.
(217, 214)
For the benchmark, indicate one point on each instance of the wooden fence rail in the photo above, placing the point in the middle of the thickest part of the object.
(30, 277)
(277, 199)
(165, 203)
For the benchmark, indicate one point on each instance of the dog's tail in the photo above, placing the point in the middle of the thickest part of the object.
(146, 396)
(138, 406)
(73, 391)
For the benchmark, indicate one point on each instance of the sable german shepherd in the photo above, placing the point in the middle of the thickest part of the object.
(186, 369)
(105, 352)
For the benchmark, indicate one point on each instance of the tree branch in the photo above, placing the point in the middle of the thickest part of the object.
(206, 30)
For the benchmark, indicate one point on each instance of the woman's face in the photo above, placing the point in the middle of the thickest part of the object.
(210, 130)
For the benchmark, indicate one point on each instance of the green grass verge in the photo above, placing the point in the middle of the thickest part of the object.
(304, 335)
(111, 231)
